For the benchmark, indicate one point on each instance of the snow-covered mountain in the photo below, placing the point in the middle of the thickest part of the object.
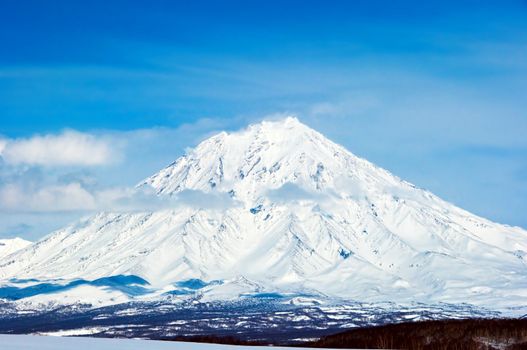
(278, 208)
(11, 245)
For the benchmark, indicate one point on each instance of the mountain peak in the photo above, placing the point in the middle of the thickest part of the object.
(290, 121)
(289, 125)
(266, 156)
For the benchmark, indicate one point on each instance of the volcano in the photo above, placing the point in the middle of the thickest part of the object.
(278, 212)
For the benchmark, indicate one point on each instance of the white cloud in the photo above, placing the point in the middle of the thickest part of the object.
(68, 197)
(289, 192)
(206, 200)
(67, 148)
(3, 143)
(74, 197)
(327, 200)
(292, 192)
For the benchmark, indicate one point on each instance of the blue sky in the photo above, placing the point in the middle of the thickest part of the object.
(433, 91)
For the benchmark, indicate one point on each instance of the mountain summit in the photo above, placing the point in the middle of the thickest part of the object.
(300, 214)
(264, 157)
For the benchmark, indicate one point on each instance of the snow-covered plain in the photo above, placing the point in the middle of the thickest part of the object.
(33, 342)
(275, 211)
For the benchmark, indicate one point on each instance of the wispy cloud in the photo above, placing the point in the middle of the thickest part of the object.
(73, 197)
(69, 197)
(292, 192)
(67, 148)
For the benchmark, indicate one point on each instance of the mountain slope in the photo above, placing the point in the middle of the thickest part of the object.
(282, 209)
(11, 245)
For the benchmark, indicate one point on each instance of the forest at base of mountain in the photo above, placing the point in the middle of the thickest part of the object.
(466, 334)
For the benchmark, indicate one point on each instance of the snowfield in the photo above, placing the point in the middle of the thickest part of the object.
(33, 342)
(277, 212)
(9, 246)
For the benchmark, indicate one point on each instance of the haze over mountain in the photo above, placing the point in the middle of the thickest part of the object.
(277, 208)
